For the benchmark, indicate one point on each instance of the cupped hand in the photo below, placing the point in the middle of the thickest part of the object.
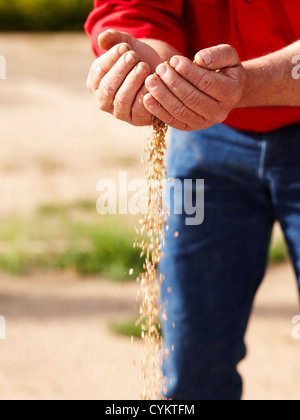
(117, 78)
(192, 96)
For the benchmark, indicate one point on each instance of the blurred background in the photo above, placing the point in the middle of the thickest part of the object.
(65, 288)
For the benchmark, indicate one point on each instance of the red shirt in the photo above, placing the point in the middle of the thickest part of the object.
(254, 27)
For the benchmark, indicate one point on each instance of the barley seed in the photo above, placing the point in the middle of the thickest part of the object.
(152, 226)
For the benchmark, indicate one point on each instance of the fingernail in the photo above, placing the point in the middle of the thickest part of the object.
(130, 58)
(151, 82)
(123, 49)
(162, 70)
(141, 69)
(174, 62)
(205, 57)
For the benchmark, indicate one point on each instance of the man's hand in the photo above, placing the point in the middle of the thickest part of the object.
(117, 78)
(193, 96)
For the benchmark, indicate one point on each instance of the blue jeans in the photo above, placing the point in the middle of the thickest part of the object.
(213, 270)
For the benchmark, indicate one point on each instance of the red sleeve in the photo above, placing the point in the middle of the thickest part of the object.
(155, 19)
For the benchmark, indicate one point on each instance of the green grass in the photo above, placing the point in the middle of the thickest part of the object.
(106, 250)
(43, 15)
(69, 237)
(73, 236)
(126, 328)
(278, 252)
(65, 208)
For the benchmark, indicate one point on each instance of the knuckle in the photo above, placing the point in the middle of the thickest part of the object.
(103, 104)
(233, 54)
(198, 123)
(121, 102)
(100, 105)
(122, 107)
(106, 88)
(169, 120)
(186, 68)
(140, 111)
(119, 115)
(91, 86)
(98, 67)
(172, 83)
(191, 98)
(179, 112)
(226, 49)
(207, 81)
(166, 117)
(221, 114)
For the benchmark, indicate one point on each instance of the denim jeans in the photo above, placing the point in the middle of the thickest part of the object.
(213, 271)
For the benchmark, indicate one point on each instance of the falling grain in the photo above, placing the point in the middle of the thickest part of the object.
(151, 248)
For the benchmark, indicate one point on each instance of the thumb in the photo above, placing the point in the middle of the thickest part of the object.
(111, 37)
(217, 58)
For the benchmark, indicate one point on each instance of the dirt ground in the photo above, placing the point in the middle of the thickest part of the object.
(55, 146)
(58, 345)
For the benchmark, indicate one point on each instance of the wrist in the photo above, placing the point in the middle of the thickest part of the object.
(248, 87)
(163, 49)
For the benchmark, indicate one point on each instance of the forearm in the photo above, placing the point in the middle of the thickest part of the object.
(273, 80)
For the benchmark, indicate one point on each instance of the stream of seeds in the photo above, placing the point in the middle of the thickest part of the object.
(151, 241)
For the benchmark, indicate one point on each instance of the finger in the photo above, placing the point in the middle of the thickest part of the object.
(188, 94)
(111, 37)
(140, 114)
(171, 103)
(127, 93)
(113, 80)
(103, 64)
(213, 84)
(158, 111)
(216, 58)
